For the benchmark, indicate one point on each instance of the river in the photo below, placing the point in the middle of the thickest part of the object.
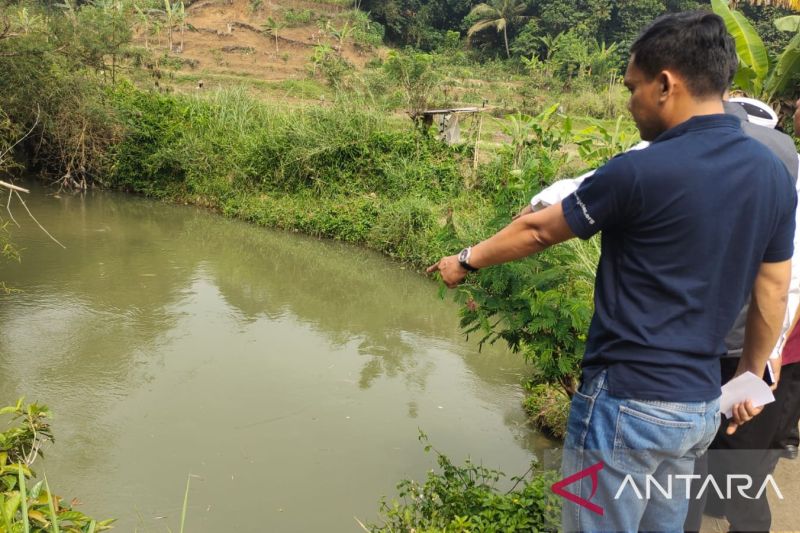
(289, 376)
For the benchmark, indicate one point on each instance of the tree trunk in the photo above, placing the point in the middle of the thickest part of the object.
(505, 37)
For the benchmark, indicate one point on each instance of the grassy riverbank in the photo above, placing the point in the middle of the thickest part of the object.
(341, 172)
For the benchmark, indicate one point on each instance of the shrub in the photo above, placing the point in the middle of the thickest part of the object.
(366, 32)
(469, 498)
(298, 17)
(403, 228)
(330, 64)
(548, 407)
(416, 74)
(149, 158)
(35, 509)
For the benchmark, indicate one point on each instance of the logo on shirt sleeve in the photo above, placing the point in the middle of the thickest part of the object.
(585, 211)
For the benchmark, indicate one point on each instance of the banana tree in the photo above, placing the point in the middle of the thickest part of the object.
(143, 21)
(786, 4)
(340, 34)
(274, 27)
(174, 15)
(757, 75)
(789, 61)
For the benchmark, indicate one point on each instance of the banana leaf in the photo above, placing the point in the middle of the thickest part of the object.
(749, 46)
(790, 23)
(786, 69)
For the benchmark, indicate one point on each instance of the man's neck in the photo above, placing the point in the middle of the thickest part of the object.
(695, 109)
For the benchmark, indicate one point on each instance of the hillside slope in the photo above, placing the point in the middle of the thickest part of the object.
(225, 40)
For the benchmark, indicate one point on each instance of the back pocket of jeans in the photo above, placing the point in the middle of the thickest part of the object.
(644, 438)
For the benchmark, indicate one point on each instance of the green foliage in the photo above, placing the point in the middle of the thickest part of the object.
(417, 76)
(499, 15)
(49, 73)
(569, 55)
(21, 443)
(597, 144)
(763, 19)
(788, 64)
(102, 35)
(540, 307)
(548, 407)
(298, 17)
(629, 18)
(401, 227)
(329, 63)
(35, 509)
(585, 17)
(460, 498)
(753, 59)
(274, 27)
(530, 161)
(528, 41)
(148, 159)
(422, 24)
(757, 76)
(366, 32)
(338, 172)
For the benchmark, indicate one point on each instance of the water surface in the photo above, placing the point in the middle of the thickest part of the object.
(289, 376)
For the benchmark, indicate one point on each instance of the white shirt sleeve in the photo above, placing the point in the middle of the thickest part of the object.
(556, 192)
(559, 190)
(793, 299)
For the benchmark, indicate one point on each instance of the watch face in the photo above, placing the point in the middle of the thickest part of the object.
(463, 256)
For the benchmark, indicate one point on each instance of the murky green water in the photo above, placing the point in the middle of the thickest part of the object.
(288, 375)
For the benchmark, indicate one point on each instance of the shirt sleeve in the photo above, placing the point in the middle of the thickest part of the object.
(602, 200)
(559, 190)
(781, 245)
(556, 192)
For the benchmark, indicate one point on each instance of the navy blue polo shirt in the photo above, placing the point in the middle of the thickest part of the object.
(685, 225)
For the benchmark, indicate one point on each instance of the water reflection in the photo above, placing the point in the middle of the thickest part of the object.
(171, 341)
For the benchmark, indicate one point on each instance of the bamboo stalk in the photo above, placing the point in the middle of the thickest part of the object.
(13, 187)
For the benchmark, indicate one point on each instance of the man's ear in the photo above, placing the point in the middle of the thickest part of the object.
(666, 85)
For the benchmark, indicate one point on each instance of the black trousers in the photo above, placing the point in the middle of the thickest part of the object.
(788, 433)
(752, 450)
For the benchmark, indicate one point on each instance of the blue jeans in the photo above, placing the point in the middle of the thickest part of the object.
(644, 447)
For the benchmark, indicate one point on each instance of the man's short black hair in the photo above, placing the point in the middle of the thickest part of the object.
(695, 44)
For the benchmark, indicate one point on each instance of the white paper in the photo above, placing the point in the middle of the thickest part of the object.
(744, 387)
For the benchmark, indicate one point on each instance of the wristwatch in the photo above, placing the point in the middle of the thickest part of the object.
(463, 259)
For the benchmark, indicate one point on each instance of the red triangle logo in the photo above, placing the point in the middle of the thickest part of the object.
(558, 487)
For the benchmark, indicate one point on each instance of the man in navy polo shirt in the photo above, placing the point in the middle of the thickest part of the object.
(689, 227)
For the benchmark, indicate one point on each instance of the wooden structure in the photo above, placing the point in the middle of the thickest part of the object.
(448, 121)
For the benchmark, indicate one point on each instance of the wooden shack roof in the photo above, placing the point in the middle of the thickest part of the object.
(452, 110)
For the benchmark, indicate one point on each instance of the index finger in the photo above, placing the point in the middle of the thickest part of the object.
(433, 268)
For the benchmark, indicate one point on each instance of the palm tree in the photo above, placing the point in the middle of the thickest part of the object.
(497, 14)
